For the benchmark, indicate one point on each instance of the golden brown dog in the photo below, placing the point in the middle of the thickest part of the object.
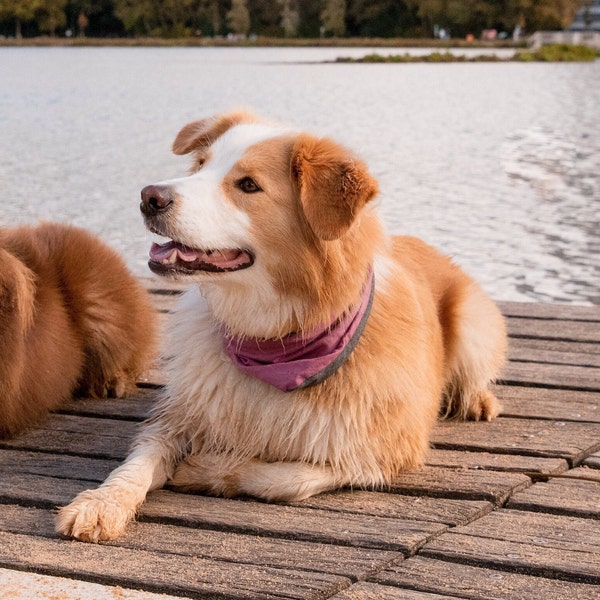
(72, 319)
(313, 350)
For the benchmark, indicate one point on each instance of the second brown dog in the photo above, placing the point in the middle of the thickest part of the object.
(72, 320)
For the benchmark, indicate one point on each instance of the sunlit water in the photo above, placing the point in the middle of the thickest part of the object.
(495, 164)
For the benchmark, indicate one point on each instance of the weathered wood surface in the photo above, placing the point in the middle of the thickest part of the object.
(507, 509)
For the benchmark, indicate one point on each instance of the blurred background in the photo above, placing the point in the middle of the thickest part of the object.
(485, 144)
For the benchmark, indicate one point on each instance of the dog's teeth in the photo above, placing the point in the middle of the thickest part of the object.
(170, 260)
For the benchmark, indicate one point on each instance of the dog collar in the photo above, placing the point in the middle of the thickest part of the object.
(302, 360)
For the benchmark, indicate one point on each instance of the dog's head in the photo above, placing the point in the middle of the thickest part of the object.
(262, 201)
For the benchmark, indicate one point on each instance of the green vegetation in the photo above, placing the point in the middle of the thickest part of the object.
(283, 19)
(550, 53)
(559, 53)
(434, 57)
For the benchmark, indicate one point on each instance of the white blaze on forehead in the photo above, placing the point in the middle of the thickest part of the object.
(232, 145)
(205, 218)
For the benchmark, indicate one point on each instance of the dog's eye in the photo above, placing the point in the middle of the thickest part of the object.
(248, 185)
(200, 163)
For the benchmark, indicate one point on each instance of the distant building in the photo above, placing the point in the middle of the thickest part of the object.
(587, 18)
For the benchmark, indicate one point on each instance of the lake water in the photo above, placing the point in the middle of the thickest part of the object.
(495, 164)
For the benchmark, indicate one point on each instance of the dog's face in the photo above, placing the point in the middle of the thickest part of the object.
(262, 204)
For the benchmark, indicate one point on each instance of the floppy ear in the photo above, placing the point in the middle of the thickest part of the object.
(202, 133)
(333, 185)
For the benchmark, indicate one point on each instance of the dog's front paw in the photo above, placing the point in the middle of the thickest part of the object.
(94, 515)
(484, 406)
(476, 406)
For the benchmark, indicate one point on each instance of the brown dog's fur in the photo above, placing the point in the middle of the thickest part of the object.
(72, 319)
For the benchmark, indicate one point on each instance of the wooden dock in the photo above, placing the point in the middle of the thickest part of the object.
(502, 510)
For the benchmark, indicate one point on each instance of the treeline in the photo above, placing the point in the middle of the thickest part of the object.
(280, 18)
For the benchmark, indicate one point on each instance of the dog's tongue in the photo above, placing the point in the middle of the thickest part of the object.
(172, 252)
(161, 252)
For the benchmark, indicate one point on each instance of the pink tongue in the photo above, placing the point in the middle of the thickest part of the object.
(219, 258)
(159, 252)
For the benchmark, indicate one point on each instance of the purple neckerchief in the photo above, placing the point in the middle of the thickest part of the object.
(299, 361)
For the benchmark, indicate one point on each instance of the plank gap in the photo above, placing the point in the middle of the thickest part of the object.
(548, 386)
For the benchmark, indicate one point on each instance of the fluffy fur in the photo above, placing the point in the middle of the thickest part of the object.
(72, 319)
(277, 231)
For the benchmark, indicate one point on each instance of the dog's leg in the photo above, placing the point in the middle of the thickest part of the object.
(103, 513)
(478, 354)
(272, 481)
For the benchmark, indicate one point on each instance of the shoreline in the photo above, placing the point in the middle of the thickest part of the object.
(259, 42)
(548, 53)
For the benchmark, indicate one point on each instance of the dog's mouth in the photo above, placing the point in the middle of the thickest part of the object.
(177, 259)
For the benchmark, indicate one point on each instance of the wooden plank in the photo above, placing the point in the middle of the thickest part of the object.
(570, 440)
(354, 563)
(17, 585)
(566, 330)
(570, 534)
(561, 496)
(249, 517)
(160, 572)
(156, 377)
(543, 310)
(593, 461)
(478, 583)
(527, 353)
(85, 436)
(439, 510)
(37, 490)
(134, 407)
(279, 520)
(14, 462)
(582, 349)
(496, 462)
(373, 591)
(164, 303)
(493, 486)
(157, 285)
(346, 561)
(34, 474)
(535, 544)
(559, 405)
(547, 375)
(515, 557)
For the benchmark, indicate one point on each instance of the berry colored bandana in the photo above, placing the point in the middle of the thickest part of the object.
(302, 360)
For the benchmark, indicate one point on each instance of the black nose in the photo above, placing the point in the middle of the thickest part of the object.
(156, 199)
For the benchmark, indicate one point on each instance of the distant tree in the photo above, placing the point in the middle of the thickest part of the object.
(333, 17)
(20, 11)
(212, 13)
(551, 14)
(380, 18)
(238, 17)
(174, 16)
(136, 15)
(309, 19)
(471, 16)
(100, 15)
(160, 18)
(51, 15)
(290, 17)
(82, 23)
(265, 17)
